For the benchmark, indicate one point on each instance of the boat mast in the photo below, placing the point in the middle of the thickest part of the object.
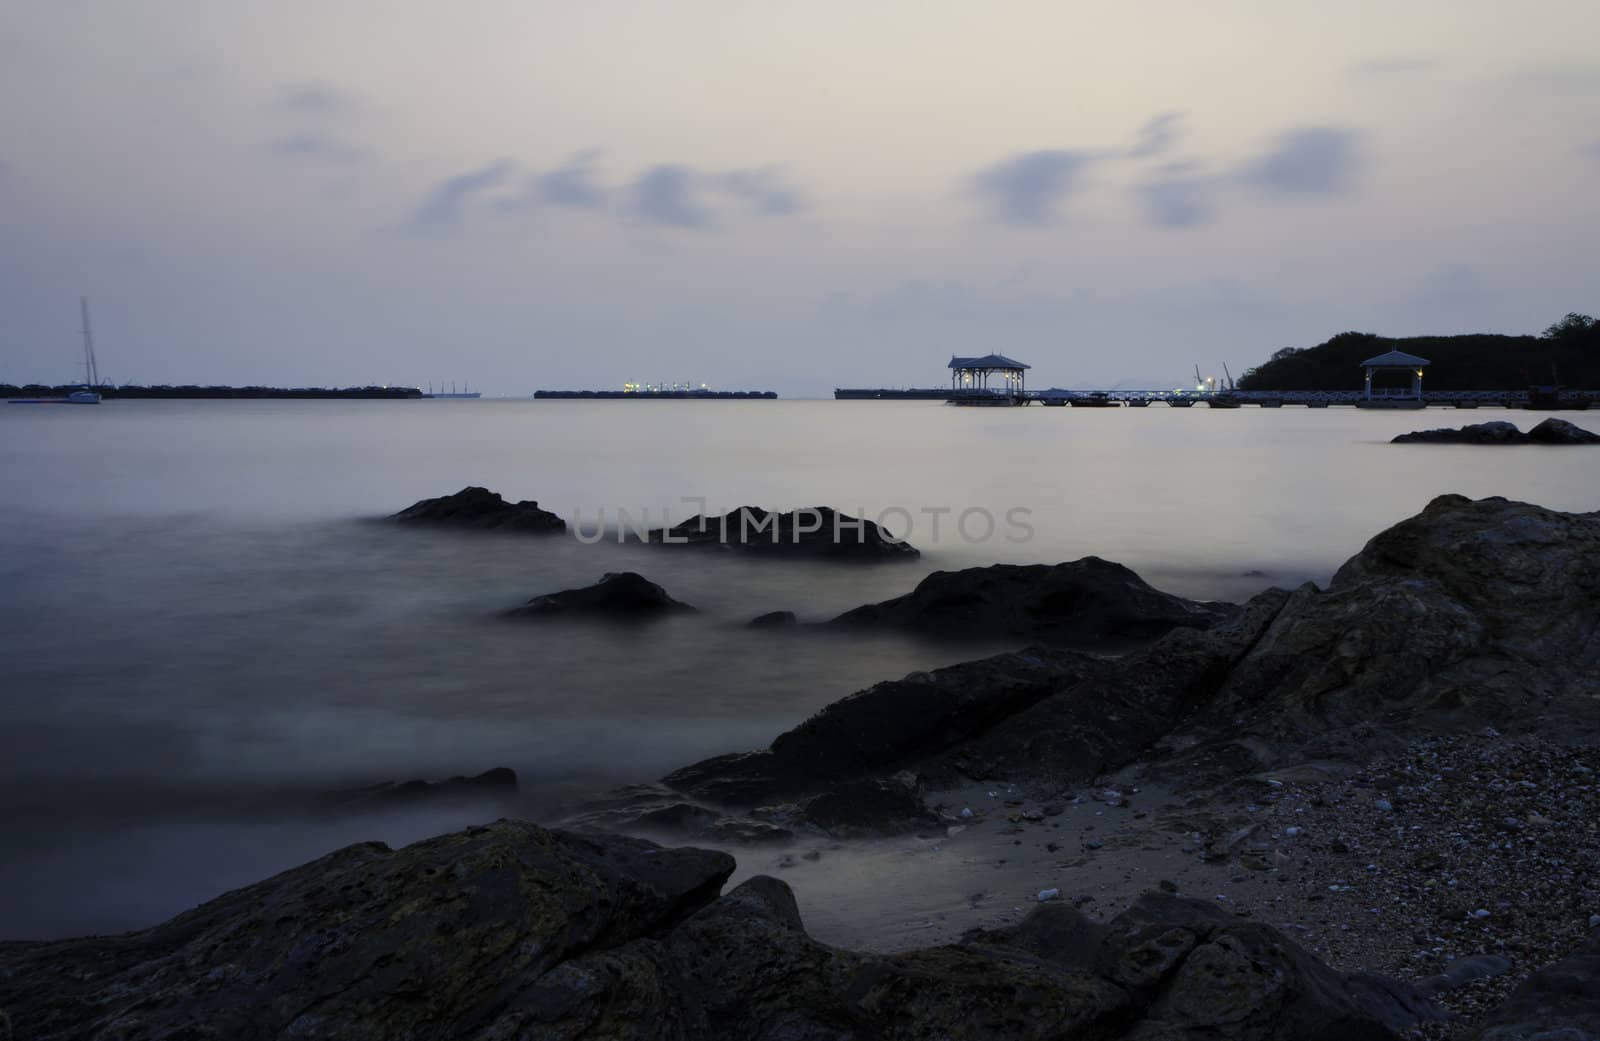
(91, 371)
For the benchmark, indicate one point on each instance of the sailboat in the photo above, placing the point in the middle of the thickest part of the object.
(91, 372)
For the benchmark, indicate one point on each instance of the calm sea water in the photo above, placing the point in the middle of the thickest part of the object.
(203, 622)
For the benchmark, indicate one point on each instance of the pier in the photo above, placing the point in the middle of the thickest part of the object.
(973, 382)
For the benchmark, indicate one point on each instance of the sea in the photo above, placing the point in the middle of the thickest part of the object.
(207, 624)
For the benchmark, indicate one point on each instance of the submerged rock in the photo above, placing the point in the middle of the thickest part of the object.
(512, 931)
(1087, 602)
(479, 508)
(498, 783)
(1551, 431)
(619, 593)
(1498, 432)
(1555, 431)
(817, 531)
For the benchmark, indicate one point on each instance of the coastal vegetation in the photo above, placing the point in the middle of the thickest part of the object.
(1565, 354)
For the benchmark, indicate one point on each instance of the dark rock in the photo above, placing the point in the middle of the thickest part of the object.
(499, 783)
(484, 510)
(444, 938)
(512, 931)
(773, 620)
(1087, 602)
(1558, 1003)
(870, 806)
(1555, 431)
(1470, 614)
(1498, 432)
(1463, 971)
(885, 728)
(817, 531)
(618, 593)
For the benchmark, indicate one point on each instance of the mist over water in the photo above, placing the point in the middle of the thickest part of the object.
(203, 624)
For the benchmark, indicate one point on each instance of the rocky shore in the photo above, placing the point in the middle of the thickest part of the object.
(1362, 811)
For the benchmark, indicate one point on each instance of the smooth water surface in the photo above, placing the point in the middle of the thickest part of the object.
(204, 622)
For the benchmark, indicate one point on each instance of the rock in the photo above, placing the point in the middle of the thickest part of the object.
(1085, 603)
(885, 728)
(1498, 432)
(479, 508)
(1558, 1003)
(511, 931)
(618, 593)
(1048, 894)
(816, 531)
(1470, 615)
(1555, 431)
(1467, 970)
(773, 620)
(444, 938)
(497, 784)
(870, 806)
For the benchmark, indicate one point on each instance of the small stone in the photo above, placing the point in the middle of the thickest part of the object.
(1168, 885)
(1384, 804)
(1048, 894)
(966, 811)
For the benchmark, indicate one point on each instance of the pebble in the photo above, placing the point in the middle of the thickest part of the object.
(966, 811)
(1384, 804)
(1048, 894)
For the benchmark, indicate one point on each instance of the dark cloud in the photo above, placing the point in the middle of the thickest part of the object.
(1025, 189)
(317, 99)
(316, 146)
(663, 195)
(1159, 133)
(764, 190)
(446, 203)
(1179, 196)
(1397, 66)
(1307, 161)
(572, 184)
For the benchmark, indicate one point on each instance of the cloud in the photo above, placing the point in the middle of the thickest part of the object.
(572, 184)
(662, 195)
(444, 205)
(317, 99)
(1178, 196)
(1025, 189)
(316, 146)
(1157, 136)
(764, 190)
(1397, 66)
(1307, 161)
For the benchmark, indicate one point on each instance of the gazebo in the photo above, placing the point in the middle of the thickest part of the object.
(1396, 361)
(972, 374)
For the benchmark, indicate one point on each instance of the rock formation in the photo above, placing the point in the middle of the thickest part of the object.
(619, 594)
(482, 510)
(1089, 603)
(817, 532)
(1552, 431)
(510, 931)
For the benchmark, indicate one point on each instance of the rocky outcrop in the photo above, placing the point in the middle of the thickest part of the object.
(886, 728)
(1550, 432)
(618, 594)
(1089, 603)
(1471, 614)
(814, 532)
(497, 784)
(773, 620)
(482, 510)
(1558, 1003)
(513, 932)
(445, 938)
(1555, 431)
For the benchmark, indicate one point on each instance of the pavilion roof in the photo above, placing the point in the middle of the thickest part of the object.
(987, 361)
(1399, 359)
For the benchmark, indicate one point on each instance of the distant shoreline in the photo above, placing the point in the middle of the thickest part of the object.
(34, 390)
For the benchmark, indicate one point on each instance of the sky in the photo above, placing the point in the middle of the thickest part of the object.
(778, 195)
